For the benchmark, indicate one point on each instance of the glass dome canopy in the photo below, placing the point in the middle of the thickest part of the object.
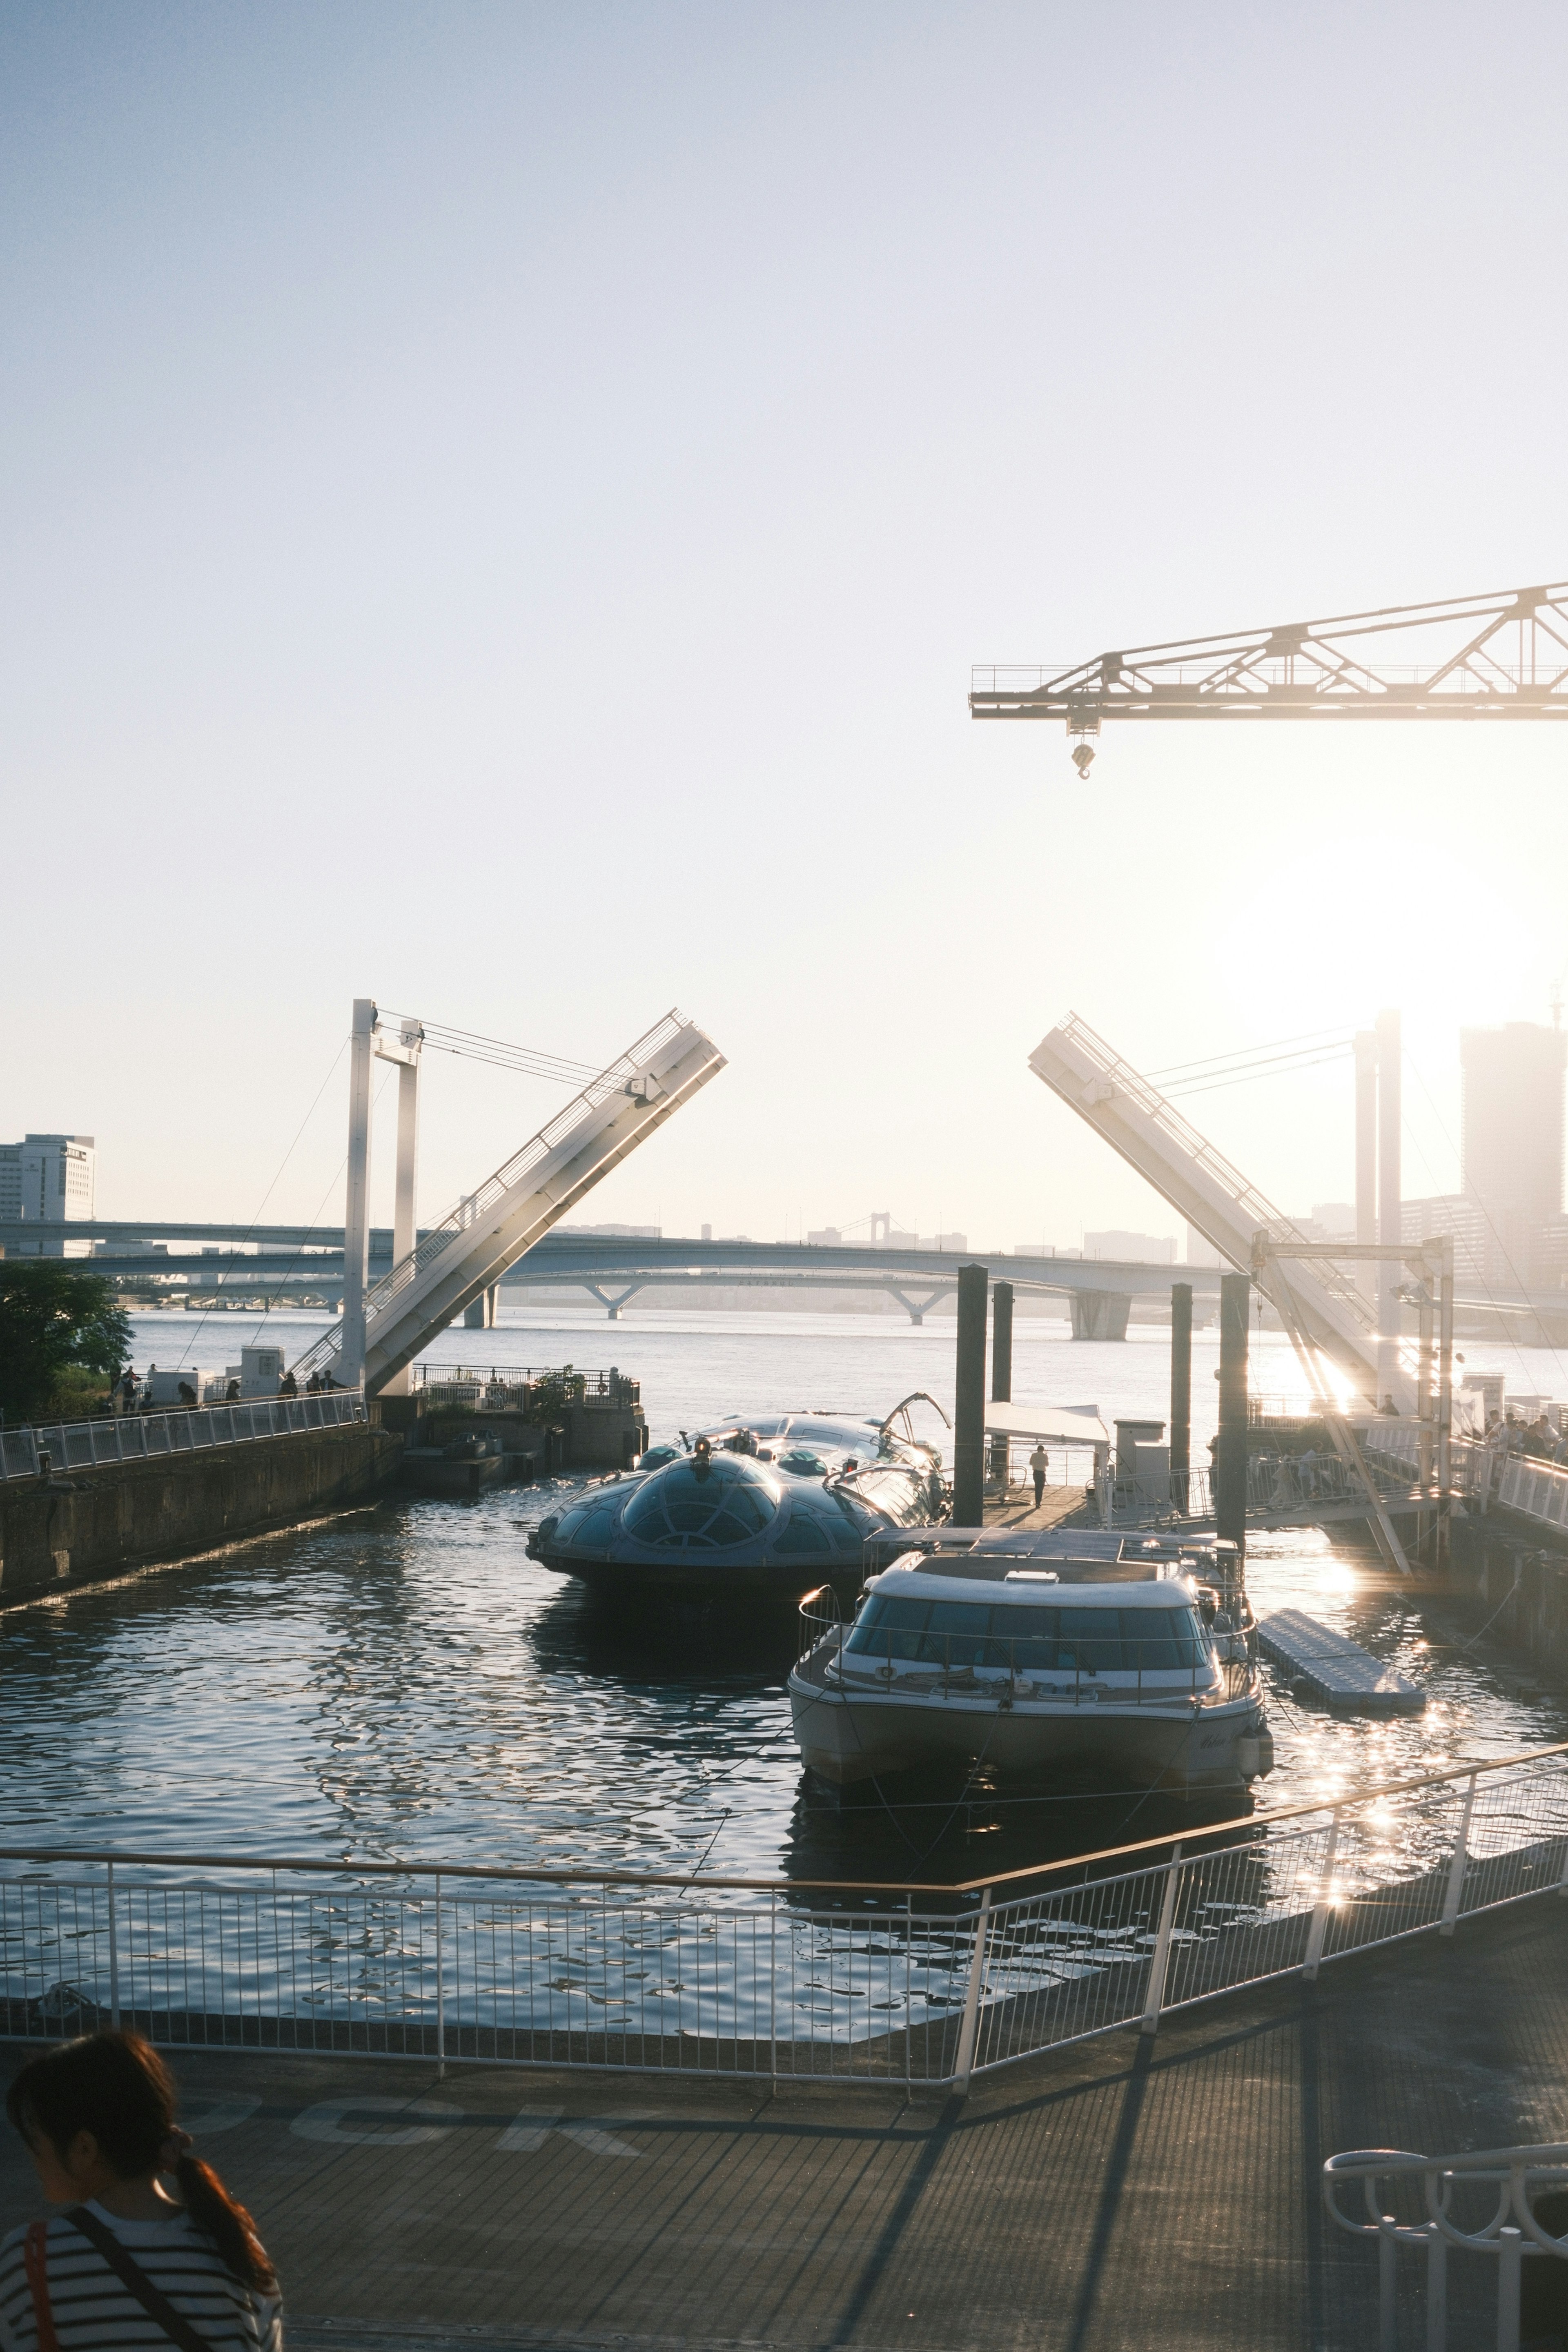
(704, 1505)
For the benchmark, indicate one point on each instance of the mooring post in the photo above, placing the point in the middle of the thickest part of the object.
(1001, 1369)
(1181, 1391)
(1230, 1453)
(969, 1404)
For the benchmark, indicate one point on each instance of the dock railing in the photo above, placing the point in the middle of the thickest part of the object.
(151, 1436)
(1513, 2180)
(689, 1973)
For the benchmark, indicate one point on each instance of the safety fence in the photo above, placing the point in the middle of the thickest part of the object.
(1484, 1474)
(1509, 2203)
(754, 1978)
(509, 1387)
(149, 1436)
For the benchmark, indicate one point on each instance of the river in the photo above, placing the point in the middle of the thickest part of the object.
(403, 1682)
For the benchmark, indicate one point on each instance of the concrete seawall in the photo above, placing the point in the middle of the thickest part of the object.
(87, 1525)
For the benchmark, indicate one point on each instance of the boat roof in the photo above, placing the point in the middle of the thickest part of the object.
(1072, 1552)
(1155, 1588)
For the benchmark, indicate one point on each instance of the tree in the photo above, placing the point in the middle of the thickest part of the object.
(51, 1317)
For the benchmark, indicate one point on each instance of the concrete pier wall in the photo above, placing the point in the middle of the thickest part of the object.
(1500, 1568)
(93, 1524)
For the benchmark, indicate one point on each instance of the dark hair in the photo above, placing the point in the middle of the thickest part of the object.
(116, 2086)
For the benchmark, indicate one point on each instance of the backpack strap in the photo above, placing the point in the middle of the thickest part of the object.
(134, 2279)
(36, 2253)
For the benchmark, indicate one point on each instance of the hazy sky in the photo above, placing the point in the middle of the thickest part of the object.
(502, 502)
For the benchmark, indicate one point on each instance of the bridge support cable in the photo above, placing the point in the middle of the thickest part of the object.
(468, 1250)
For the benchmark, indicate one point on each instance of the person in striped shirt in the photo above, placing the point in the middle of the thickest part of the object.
(128, 2264)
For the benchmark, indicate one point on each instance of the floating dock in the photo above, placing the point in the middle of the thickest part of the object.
(1341, 1675)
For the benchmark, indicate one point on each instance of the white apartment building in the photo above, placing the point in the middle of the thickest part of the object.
(52, 1177)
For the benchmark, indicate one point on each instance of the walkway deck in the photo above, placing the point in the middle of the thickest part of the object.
(1120, 2194)
(1016, 1509)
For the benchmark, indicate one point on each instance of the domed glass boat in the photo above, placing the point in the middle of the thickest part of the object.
(772, 1507)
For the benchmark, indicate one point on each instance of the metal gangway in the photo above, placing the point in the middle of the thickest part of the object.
(467, 1251)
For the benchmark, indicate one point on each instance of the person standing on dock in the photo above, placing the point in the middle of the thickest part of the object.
(1039, 1462)
(127, 2262)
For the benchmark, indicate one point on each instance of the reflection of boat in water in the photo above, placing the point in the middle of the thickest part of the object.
(770, 1507)
(1026, 1657)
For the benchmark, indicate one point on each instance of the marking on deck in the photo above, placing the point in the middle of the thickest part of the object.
(326, 2121)
(528, 2132)
(1337, 1670)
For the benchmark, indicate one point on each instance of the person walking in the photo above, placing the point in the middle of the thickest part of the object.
(127, 2263)
(1039, 1462)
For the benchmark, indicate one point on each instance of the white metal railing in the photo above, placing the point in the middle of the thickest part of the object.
(692, 1973)
(148, 1436)
(1521, 1482)
(473, 1206)
(1510, 2232)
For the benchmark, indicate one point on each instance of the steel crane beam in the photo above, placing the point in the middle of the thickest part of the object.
(1492, 656)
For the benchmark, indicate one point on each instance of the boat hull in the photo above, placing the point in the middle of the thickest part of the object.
(850, 1738)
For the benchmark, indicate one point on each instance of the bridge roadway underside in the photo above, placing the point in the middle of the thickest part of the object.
(1123, 2192)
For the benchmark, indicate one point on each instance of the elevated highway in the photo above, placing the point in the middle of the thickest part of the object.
(613, 1269)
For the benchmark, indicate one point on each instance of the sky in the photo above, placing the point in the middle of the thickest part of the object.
(502, 502)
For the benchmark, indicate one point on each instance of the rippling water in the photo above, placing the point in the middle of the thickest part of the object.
(404, 1683)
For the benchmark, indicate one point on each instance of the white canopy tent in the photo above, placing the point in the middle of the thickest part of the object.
(1058, 1425)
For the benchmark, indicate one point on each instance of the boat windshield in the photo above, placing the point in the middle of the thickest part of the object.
(703, 1505)
(999, 1633)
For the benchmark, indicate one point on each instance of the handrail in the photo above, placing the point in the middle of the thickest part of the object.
(525, 1871)
(1512, 2233)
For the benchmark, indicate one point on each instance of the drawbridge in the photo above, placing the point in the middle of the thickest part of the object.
(1331, 1327)
(460, 1258)
(1316, 1301)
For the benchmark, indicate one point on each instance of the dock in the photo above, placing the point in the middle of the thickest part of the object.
(1338, 1674)
(1124, 2192)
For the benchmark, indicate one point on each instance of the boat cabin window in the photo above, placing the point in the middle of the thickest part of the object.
(997, 1633)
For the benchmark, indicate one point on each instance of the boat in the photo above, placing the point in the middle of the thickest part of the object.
(766, 1508)
(1066, 1655)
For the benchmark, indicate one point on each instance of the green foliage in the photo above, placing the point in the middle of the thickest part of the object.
(549, 1396)
(78, 1393)
(52, 1319)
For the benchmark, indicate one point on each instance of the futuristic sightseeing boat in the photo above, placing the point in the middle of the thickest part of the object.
(772, 1507)
(1134, 1665)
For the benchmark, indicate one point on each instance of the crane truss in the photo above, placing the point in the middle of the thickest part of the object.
(1496, 656)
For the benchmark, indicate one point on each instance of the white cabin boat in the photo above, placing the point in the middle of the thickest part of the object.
(1129, 1666)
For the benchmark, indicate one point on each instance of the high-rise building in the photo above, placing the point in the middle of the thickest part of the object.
(1512, 1150)
(52, 1177)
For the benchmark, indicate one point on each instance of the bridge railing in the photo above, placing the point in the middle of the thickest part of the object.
(151, 1436)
